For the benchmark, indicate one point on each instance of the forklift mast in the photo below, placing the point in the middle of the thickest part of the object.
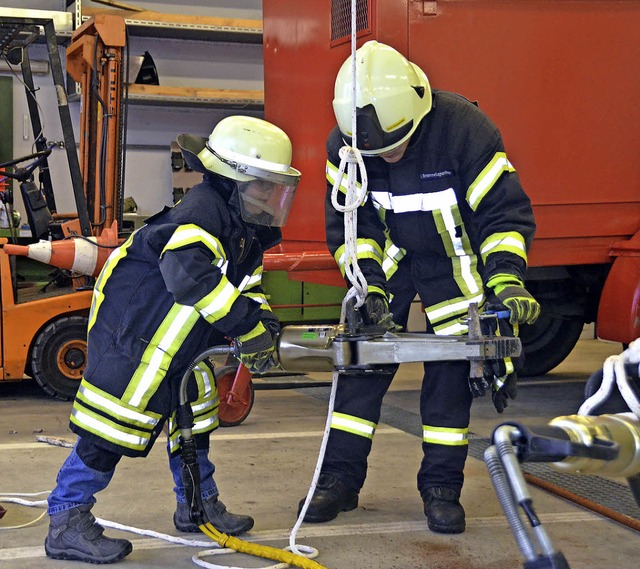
(95, 60)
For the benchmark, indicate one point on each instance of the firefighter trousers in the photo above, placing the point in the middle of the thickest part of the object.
(445, 404)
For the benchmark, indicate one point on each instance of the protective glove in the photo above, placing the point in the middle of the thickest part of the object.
(255, 349)
(504, 388)
(498, 375)
(375, 312)
(510, 291)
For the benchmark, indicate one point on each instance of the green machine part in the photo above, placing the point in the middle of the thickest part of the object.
(297, 301)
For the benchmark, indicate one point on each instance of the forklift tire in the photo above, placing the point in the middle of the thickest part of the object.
(59, 356)
(231, 415)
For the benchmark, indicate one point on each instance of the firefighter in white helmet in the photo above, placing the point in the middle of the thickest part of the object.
(183, 282)
(445, 219)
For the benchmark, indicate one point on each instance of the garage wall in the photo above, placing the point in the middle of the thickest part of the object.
(150, 129)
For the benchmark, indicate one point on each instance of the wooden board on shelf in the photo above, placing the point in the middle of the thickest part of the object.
(162, 18)
(228, 98)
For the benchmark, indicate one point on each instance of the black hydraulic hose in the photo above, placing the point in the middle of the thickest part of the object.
(190, 470)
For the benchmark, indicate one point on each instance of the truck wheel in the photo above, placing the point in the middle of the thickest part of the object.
(547, 343)
(232, 414)
(59, 356)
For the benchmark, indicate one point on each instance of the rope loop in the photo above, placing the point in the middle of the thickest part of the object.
(613, 372)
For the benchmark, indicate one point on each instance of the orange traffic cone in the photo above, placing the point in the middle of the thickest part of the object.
(84, 256)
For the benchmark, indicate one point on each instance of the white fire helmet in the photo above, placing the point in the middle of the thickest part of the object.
(392, 97)
(257, 154)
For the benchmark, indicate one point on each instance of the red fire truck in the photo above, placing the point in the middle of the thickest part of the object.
(559, 78)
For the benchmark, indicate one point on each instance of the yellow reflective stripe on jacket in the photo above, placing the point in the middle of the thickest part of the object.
(487, 179)
(392, 256)
(448, 318)
(98, 296)
(353, 425)
(189, 234)
(507, 242)
(466, 275)
(204, 409)
(101, 400)
(331, 172)
(445, 436)
(109, 430)
(206, 383)
(157, 358)
(365, 249)
(251, 281)
(217, 304)
(260, 298)
(445, 211)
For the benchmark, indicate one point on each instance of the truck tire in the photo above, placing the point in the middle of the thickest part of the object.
(59, 356)
(547, 343)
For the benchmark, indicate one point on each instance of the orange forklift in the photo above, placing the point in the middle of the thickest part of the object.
(43, 328)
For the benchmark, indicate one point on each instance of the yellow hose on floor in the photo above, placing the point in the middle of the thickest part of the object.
(257, 550)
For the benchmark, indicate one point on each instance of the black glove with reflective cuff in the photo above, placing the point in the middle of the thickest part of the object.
(510, 291)
(255, 349)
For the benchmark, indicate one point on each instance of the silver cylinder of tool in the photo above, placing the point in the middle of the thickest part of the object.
(622, 429)
(312, 348)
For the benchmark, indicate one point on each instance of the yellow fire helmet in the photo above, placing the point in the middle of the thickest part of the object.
(392, 97)
(257, 154)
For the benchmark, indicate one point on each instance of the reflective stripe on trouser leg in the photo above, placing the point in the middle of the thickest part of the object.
(445, 404)
(77, 484)
(357, 412)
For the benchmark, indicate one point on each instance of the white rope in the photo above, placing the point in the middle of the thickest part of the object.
(214, 548)
(614, 373)
(350, 158)
(14, 498)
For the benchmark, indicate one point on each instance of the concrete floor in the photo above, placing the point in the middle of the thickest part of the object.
(265, 465)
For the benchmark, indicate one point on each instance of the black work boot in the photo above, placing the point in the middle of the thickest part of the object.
(220, 518)
(444, 512)
(331, 497)
(74, 534)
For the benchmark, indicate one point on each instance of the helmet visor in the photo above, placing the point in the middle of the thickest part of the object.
(264, 202)
(265, 199)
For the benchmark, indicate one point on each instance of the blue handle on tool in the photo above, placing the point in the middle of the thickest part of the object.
(506, 314)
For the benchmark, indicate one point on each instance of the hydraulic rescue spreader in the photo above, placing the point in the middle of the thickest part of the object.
(339, 348)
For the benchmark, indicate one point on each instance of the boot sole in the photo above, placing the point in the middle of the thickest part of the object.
(192, 528)
(72, 555)
(349, 505)
(447, 529)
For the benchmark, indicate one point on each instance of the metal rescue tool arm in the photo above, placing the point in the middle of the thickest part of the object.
(332, 348)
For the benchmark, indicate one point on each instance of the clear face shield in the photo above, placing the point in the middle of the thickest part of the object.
(265, 200)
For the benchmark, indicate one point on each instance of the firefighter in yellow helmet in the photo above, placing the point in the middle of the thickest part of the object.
(183, 282)
(446, 219)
